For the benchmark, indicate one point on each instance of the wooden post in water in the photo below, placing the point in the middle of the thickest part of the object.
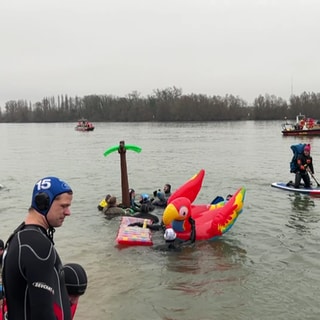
(124, 175)
(122, 149)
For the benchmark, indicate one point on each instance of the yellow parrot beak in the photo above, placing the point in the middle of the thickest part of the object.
(170, 213)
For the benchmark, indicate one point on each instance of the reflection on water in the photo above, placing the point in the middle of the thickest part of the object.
(214, 263)
(303, 214)
(301, 202)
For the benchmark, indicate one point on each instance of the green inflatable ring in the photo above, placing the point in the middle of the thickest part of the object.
(127, 147)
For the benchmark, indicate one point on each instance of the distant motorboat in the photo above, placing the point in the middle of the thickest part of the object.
(84, 125)
(302, 127)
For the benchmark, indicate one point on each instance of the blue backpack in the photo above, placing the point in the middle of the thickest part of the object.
(296, 149)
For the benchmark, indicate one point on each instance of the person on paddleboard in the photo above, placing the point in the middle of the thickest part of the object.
(304, 164)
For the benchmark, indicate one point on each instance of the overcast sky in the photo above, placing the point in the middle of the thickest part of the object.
(214, 47)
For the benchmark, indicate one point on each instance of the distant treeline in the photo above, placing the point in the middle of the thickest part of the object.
(165, 105)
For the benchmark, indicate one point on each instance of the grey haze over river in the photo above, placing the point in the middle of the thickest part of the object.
(266, 267)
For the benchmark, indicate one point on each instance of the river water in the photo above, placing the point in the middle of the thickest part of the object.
(266, 267)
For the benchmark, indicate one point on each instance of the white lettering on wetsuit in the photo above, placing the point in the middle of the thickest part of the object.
(43, 286)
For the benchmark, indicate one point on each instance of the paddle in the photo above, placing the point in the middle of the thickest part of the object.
(314, 178)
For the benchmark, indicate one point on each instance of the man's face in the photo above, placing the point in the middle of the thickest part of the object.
(59, 209)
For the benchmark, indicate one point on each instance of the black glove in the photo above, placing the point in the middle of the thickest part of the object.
(154, 227)
(136, 224)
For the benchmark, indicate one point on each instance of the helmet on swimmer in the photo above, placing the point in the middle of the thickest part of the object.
(145, 197)
(169, 235)
(45, 191)
(75, 279)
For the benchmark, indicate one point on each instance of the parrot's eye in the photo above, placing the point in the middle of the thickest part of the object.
(183, 211)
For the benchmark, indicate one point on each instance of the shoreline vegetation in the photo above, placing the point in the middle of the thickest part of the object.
(167, 105)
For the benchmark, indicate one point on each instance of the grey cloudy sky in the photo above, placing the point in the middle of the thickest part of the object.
(214, 47)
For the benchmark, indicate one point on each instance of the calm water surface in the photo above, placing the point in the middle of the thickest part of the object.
(266, 267)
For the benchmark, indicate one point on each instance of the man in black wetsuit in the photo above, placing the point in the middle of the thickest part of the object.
(32, 274)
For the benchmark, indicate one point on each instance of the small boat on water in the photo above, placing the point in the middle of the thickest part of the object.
(302, 127)
(84, 125)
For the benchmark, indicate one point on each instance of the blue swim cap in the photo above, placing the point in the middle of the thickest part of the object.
(145, 196)
(45, 191)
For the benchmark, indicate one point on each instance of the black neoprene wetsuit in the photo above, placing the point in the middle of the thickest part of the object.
(32, 277)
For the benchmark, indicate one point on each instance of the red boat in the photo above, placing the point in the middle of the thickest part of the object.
(303, 127)
(84, 125)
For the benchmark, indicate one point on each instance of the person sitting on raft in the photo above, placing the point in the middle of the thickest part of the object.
(112, 210)
(161, 198)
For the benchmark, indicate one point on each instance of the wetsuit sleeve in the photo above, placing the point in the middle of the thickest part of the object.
(154, 227)
(302, 163)
(37, 262)
(311, 166)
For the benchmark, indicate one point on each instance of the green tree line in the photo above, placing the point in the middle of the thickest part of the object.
(165, 105)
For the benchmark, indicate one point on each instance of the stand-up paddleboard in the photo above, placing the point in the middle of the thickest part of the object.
(311, 191)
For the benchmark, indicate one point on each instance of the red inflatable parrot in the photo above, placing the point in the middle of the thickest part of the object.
(211, 221)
